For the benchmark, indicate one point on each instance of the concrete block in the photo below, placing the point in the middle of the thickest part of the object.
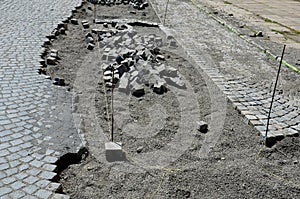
(114, 153)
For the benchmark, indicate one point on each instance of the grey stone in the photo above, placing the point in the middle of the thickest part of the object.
(47, 175)
(51, 61)
(202, 126)
(123, 83)
(59, 81)
(160, 57)
(17, 185)
(4, 190)
(159, 87)
(30, 189)
(107, 73)
(173, 44)
(43, 193)
(17, 194)
(62, 31)
(291, 132)
(139, 149)
(60, 196)
(90, 46)
(137, 89)
(74, 21)
(89, 40)
(169, 72)
(176, 82)
(107, 78)
(86, 25)
(50, 159)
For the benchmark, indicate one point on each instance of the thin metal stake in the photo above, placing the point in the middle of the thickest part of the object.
(269, 115)
(112, 104)
(166, 12)
(95, 12)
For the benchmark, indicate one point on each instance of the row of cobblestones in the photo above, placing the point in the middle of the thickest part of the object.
(204, 40)
(27, 99)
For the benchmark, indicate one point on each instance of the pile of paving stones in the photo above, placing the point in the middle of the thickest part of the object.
(136, 4)
(135, 69)
(133, 61)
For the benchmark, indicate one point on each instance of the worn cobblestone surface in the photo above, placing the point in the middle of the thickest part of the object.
(207, 42)
(30, 118)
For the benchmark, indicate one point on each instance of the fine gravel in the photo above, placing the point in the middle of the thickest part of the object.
(238, 166)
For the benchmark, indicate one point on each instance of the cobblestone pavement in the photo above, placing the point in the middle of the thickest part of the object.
(241, 71)
(33, 128)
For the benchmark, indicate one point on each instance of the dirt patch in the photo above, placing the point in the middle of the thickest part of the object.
(239, 166)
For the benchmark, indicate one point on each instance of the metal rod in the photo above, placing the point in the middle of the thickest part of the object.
(112, 104)
(269, 115)
(95, 12)
(166, 12)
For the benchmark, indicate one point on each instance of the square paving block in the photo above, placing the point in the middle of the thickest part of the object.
(113, 152)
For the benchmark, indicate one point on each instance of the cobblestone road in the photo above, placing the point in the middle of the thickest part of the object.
(29, 104)
(243, 73)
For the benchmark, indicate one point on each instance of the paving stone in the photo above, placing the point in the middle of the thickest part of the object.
(47, 175)
(21, 175)
(60, 196)
(291, 132)
(36, 163)
(53, 186)
(4, 166)
(4, 190)
(17, 194)
(11, 172)
(17, 185)
(33, 171)
(30, 189)
(43, 193)
(49, 167)
(8, 180)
